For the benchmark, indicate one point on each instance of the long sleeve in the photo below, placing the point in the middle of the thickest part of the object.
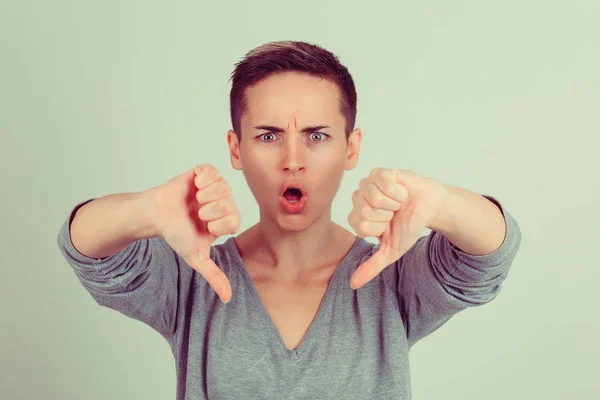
(435, 279)
(141, 281)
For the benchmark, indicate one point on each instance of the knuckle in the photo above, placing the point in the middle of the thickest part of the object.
(214, 173)
(366, 211)
(224, 207)
(350, 220)
(225, 191)
(377, 200)
(235, 222)
(203, 168)
(208, 170)
(387, 186)
(354, 223)
(388, 215)
(212, 228)
(364, 226)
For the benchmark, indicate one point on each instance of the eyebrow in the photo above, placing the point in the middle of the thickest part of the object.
(278, 129)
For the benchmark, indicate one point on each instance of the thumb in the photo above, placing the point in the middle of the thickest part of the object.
(371, 268)
(215, 277)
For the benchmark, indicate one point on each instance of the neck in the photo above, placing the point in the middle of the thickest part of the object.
(293, 253)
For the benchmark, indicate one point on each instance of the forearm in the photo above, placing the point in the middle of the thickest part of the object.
(109, 224)
(471, 222)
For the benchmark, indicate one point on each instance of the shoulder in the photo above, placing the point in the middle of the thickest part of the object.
(226, 256)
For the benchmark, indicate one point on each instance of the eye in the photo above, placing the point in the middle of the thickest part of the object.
(323, 136)
(262, 137)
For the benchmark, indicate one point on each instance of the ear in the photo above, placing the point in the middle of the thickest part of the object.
(234, 150)
(353, 149)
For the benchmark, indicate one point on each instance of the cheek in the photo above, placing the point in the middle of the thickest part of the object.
(259, 180)
(253, 163)
(329, 181)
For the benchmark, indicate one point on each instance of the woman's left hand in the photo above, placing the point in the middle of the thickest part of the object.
(395, 206)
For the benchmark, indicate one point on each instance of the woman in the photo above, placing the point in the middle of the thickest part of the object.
(296, 306)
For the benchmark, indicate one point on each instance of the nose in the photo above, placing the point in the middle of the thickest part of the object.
(293, 157)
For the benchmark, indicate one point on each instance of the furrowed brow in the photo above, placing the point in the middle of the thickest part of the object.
(278, 129)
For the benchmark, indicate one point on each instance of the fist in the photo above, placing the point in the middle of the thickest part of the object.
(191, 211)
(395, 206)
(215, 203)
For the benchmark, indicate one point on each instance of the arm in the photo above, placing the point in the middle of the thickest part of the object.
(436, 279)
(121, 263)
(108, 225)
(473, 223)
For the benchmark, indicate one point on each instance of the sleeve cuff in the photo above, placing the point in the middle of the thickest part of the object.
(507, 249)
(77, 258)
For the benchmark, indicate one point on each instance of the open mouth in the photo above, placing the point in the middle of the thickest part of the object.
(293, 199)
(292, 195)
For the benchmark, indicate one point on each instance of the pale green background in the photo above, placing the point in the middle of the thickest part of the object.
(500, 98)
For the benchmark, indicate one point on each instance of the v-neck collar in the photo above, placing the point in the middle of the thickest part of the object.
(317, 320)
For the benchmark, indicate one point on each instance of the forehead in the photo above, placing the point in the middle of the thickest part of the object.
(284, 96)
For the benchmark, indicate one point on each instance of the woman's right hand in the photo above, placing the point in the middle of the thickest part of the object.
(190, 212)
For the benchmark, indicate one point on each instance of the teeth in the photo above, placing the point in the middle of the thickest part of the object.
(292, 201)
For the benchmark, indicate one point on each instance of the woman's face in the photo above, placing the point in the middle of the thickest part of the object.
(283, 150)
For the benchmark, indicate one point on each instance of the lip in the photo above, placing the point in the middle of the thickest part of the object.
(292, 184)
(293, 208)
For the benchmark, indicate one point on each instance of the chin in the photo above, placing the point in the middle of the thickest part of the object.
(293, 222)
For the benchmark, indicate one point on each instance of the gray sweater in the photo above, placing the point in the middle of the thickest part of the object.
(356, 348)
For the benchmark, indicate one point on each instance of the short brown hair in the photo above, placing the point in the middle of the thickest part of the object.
(283, 56)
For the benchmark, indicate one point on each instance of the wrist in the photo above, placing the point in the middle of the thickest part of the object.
(146, 214)
(444, 217)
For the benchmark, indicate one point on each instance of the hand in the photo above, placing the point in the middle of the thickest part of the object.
(395, 206)
(191, 211)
